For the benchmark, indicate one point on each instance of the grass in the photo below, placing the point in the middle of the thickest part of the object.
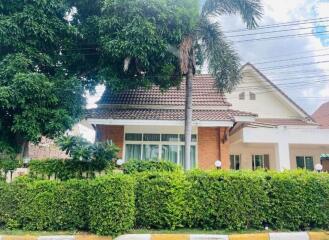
(35, 233)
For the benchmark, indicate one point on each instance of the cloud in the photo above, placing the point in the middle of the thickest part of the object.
(314, 90)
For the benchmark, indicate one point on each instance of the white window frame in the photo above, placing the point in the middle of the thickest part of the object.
(160, 144)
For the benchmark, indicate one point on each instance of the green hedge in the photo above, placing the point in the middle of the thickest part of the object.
(232, 200)
(103, 206)
(160, 199)
(136, 166)
(112, 204)
(299, 200)
(51, 205)
(64, 169)
(227, 200)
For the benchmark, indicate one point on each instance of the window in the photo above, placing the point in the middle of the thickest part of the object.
(169, 137)
(151, 146)
(260, 161)
(151, 137)
(133, 151)
(193, 156)
(242, 96)
(182, 138)
(170, 153)
(150, 152)
(252, 96)
(305, 162)
(133, 137)
(235, 162)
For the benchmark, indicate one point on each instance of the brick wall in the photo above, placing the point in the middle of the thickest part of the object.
(212, 148)
(46, 149)
(114, 133)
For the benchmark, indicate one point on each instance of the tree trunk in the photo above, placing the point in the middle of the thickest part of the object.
(188, 115)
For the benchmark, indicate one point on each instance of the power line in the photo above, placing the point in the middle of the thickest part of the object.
(281, 36)
(276, 31)
(282, 24)
(291, 59)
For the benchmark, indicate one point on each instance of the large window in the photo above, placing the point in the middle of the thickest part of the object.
(305, 162)
(235, 162)
(260, 161)
(151, 146)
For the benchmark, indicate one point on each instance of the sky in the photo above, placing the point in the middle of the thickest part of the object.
(307, 83)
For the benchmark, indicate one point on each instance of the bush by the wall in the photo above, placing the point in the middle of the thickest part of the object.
(135, 166)
(299, 200)
(160, 199)
(50, 205)
(226, 200)
(112, 204)
(65, 169)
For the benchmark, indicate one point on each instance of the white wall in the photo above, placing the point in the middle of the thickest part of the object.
(268, 103)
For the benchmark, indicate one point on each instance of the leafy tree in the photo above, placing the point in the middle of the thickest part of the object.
(138, 43)
(132, 43)
(40, 94)
(207, 41)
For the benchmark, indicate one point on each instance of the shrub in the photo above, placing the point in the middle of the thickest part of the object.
(299, 200)
(11, 197)
(111, 204)
(134, 166)
(64, 169)
(50, 205)
(160, 199)
(226, 200)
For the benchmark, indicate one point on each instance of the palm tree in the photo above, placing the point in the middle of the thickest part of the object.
(208, 41)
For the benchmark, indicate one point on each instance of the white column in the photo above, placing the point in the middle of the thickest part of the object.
(282, 155)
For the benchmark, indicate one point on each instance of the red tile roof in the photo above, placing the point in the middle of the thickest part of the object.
(204, 94)
(164, 114)
(321, 115)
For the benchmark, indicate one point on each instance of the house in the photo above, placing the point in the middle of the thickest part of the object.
(321, 115)
(255, 126)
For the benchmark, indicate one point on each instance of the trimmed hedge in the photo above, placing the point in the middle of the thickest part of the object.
(104, 206)
(232, 200)
(299, 200)
(136, 166)
(226, 200)
(112, 205)
(160, 199)
(50, 205)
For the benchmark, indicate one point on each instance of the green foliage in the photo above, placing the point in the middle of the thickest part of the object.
(65, 169)
(50, 205)
(111, 204)
(40, 94)
(100, 155)
(227, 200)
(135, 166)
(160, 200)
(299, 200)
(147, 43)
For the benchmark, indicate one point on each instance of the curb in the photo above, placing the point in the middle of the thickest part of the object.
(62, 237)
(258, 236)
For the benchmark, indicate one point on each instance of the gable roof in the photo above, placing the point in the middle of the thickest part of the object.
(321, 115)
(280, 92)
(204, 94)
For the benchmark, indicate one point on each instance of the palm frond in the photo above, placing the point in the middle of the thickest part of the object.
(223, 62)
(250, 10)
